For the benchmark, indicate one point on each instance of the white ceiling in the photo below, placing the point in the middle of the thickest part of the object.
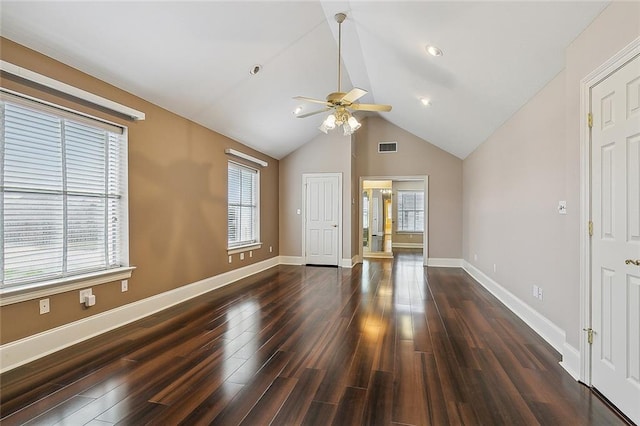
(193, 58)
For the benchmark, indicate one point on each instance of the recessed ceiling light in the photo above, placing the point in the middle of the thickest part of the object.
(433, 51)
(425, 101)
(255, 69)
(298, 110)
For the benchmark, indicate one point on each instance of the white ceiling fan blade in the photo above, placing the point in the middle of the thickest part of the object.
(353, 95)
(317, 101)
(371, 107)
(312, 113)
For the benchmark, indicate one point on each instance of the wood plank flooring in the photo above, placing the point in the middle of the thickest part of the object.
(388, 342)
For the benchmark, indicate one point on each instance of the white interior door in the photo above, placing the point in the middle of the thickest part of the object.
(615, 210)
(322, 219)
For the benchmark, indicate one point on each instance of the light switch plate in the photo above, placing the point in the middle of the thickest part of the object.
(562, 207)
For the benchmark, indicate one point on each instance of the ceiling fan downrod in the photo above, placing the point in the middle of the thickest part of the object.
(340, 17)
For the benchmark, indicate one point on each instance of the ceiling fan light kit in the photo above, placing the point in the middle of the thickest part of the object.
(341, 102)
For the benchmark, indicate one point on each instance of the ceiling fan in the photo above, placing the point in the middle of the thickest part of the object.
(340, 102)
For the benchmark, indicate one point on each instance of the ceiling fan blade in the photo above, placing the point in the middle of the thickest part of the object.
(370, 107)
(317, 101)
(312, 113)
(353, 95)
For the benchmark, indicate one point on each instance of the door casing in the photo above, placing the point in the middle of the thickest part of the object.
(425, 237)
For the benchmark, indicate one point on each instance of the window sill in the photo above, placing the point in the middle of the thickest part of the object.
(22, 293)
(410, 232)
(242, 249)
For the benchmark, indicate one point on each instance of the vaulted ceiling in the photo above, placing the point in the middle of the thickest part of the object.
(194, 58)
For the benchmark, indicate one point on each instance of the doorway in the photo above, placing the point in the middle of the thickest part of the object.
(393, 216)
(377, 218)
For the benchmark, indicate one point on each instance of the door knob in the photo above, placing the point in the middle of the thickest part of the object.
(632, 262)
(335, 226)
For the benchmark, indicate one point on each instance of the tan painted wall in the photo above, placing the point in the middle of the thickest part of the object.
(513, 182)
(325, 154)
(177, 210)
(416, 157)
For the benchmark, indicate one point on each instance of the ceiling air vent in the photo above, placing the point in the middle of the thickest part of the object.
(387, 147)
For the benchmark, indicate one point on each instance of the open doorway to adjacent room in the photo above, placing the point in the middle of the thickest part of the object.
(393, 216)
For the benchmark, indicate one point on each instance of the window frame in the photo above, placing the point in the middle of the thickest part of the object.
(71, 281)
(256, 243)
(399, 211)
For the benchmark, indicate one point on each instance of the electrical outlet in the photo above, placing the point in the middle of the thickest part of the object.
(534, 293)
(241, 256)
(125, 285)
(540, 293)
(44, 306)
(251, 253)
(270, 249)
(84, 294)
(229, 259)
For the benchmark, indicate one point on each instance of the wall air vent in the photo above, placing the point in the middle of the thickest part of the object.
(387, 147)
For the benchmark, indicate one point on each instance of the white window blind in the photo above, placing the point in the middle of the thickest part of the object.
(242, 217)
(62, 180)
(410, 211)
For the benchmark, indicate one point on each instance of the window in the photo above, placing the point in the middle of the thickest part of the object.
(242, 216)
(410, 211)
(63, 187)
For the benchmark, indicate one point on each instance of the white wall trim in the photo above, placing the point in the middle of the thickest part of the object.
(19, 294)
(571, 360)
(444, 262)
(592, 79)
(347, 263)
(550, 332)
(19, 352)
(291, 260)
(406, 245)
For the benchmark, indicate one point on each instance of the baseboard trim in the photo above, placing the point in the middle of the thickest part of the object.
(550, 332)
(291, 260)
(444, 262)
(23, 351)
(571, 361)
(347, 263)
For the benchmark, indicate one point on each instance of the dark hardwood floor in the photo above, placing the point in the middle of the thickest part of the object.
(386, 343)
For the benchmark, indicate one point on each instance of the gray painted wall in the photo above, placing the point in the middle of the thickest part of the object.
(513, 182)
